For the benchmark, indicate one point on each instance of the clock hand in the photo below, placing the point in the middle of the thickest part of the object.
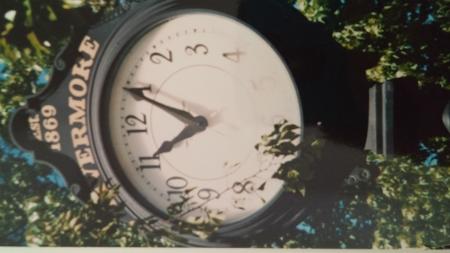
(189, 131)
(181, 115)
(213, 118)
(212, 115)
(193, 107)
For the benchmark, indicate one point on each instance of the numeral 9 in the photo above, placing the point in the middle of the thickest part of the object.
(208, 194)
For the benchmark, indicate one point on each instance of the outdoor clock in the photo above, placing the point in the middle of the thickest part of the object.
(168, 99)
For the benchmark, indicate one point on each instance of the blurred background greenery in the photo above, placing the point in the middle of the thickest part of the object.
(406, 205)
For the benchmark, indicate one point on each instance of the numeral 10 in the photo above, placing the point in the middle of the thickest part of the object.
(179, 187)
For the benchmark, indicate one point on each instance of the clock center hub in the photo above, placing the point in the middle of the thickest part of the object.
(224, 112)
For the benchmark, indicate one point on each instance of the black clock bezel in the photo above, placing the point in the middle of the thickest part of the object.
(144, 17)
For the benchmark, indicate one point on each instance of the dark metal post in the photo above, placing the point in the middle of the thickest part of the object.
(380, 133)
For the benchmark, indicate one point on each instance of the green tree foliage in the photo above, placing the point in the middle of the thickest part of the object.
(58, 219)
(34, 211)
(284, 142)
(412, 199)
(410, 38)
(20, 81)
(31, 34)
(17, 183)
(344, 223)
(43, 25)
(406, 206)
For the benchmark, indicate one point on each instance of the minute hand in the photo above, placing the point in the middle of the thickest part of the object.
(181, 115)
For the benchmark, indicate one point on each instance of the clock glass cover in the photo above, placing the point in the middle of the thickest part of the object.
(187, 103)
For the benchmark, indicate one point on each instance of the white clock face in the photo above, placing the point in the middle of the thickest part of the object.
(189, 102)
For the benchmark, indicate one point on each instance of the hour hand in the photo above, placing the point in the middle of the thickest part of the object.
(187, 132)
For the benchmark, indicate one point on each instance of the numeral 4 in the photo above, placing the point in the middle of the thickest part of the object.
(233, 56)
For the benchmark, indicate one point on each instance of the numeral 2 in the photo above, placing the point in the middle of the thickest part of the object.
(157, 58)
